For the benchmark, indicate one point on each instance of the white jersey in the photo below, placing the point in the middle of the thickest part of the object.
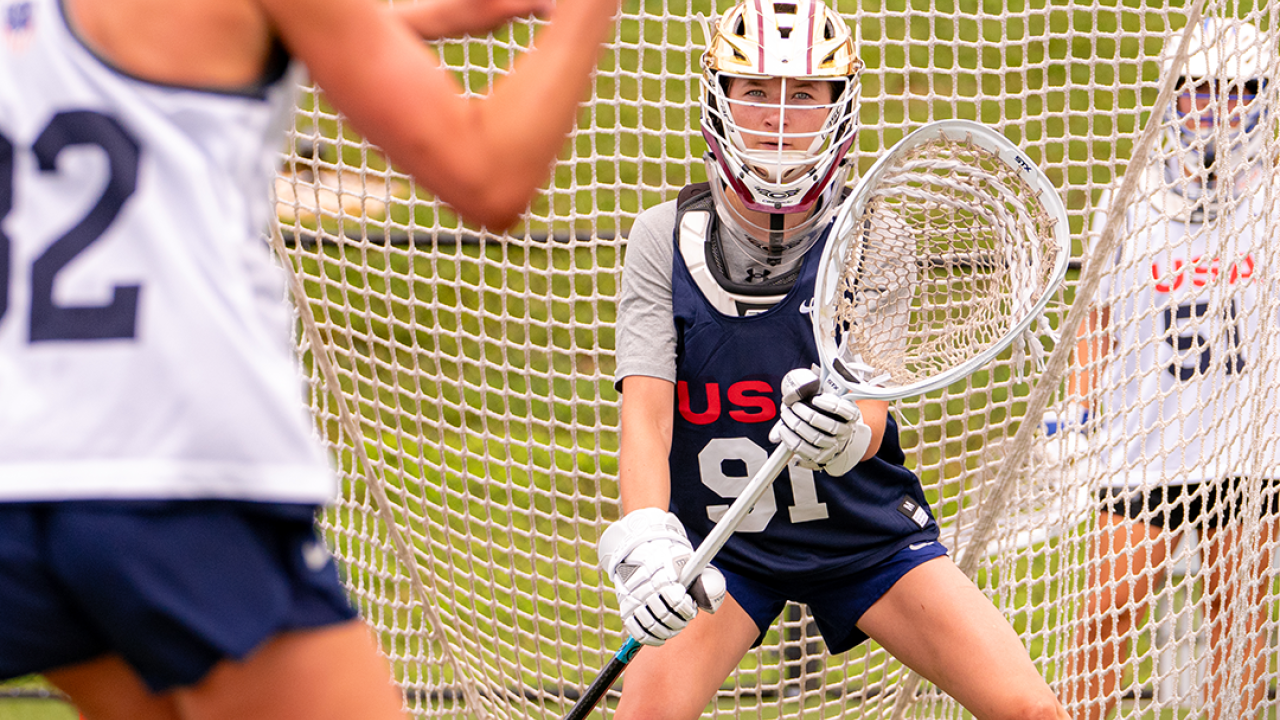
(145, 347)
(1191, 390)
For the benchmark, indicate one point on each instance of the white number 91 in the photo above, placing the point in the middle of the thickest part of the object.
(711, 462)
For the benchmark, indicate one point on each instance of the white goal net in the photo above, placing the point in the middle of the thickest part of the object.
(464, 380)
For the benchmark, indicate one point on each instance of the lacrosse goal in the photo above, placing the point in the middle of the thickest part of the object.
(464, 380)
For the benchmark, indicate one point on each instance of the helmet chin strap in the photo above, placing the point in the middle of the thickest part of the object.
(777, 230)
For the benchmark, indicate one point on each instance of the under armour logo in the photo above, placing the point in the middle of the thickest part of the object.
(752, 274)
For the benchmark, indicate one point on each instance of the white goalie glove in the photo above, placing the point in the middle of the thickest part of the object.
(643, 554)
(825, 430)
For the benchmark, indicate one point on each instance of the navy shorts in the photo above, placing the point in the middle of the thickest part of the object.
(171, 587)
(1207, 504)
(836, 606)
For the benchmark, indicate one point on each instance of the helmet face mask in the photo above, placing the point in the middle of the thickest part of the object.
(776, 136)
(1215, 128)
(770, 243)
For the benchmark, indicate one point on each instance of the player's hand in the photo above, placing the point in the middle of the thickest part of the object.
(643, 553)
(1065, 442)
(1074, 418)
(826, 430)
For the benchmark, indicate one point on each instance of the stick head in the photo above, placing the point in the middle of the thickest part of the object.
(945, 254)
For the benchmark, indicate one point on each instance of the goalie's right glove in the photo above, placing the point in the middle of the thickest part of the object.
(643, 554)
(825, 430)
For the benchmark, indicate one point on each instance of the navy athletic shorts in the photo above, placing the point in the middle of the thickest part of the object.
(1207, 504)
(836, 607)
(171, 587)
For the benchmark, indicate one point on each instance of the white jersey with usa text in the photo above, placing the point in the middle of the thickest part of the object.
(145, 347)
(1191, 389)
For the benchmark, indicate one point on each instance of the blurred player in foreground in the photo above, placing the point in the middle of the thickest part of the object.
(1169, 361)
(159, 474)
(715, 310)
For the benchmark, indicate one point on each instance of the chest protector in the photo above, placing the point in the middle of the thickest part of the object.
(728, 373)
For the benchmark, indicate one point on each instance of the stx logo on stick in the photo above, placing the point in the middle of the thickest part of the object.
(752, 401)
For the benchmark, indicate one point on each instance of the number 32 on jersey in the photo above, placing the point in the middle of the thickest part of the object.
(48, 319)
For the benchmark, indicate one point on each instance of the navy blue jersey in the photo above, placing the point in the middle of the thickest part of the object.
(811, 525)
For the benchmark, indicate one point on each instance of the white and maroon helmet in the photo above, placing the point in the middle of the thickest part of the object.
(793, 39)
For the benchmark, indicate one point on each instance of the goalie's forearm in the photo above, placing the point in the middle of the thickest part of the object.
(875, 413)
(644, 475)
(644, 484)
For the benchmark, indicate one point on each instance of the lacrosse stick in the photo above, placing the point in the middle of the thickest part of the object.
(943, 257)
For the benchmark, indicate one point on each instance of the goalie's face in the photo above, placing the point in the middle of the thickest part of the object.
(778, 118)
(777, 126)
(775, 138)
(1200, 105)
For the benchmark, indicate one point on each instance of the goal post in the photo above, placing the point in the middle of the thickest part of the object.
(464, 380)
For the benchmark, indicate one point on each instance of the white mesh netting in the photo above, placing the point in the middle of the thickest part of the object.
(464, 380)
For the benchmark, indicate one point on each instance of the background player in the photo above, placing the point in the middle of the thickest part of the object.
(158, 473)
(1188, 272)
(712, 315)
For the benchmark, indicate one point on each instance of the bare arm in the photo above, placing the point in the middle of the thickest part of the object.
(436, 19)
(1093, 343)
(875, 413)
(1093, 337)
(486, 157)
(644, 475)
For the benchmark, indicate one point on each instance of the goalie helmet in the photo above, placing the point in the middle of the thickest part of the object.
(1216, 127)
(794, 172)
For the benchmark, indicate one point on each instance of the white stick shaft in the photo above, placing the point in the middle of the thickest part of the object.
(734, 516)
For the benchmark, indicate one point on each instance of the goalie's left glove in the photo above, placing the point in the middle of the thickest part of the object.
(825, 430)
(643, 554)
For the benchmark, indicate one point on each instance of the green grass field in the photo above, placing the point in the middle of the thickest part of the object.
(31, 698)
